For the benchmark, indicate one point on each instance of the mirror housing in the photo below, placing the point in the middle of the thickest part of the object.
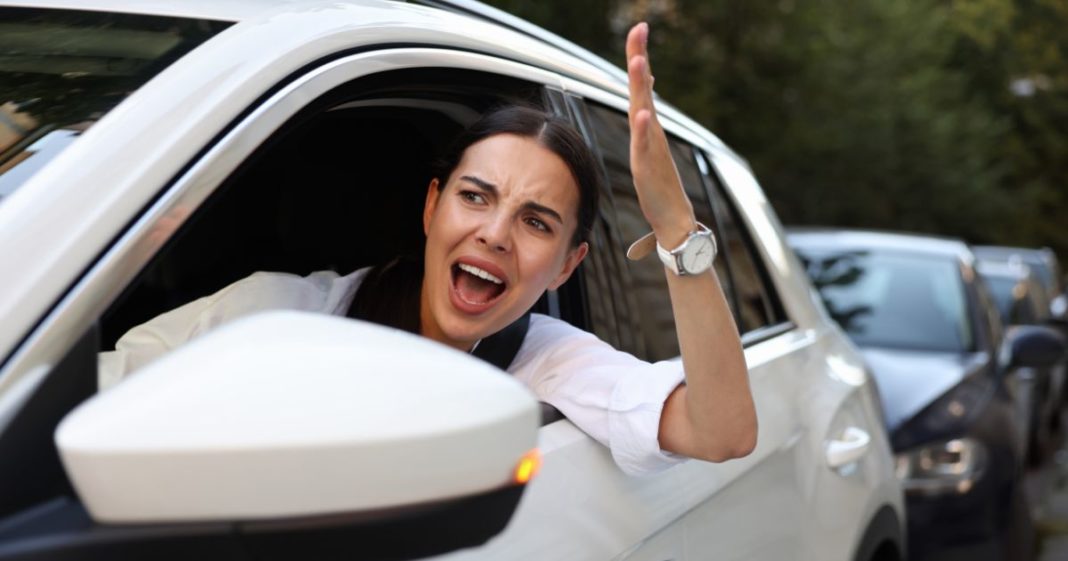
(1032, 346)
(302, 432)
(1058, 309)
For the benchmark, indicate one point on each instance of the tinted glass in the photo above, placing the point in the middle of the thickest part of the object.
(754, 307)
(62, 70)
(893, 300)
(989, 318)
(1001, 289)
(648, 293)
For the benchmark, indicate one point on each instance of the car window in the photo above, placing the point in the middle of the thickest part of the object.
(65, 69)
(1002, 289)
(989, 318)
(648, 292)
(893, 300)
(308, 196)
(756, 299)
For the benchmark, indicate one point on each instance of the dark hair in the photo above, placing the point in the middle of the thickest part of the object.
(550, 131)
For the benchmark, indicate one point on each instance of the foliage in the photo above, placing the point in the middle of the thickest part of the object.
(888, 114)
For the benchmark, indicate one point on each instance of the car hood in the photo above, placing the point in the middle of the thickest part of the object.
(911, 380)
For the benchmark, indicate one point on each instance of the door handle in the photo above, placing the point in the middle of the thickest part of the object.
(850, 448)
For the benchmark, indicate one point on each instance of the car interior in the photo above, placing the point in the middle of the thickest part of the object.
(340, 187)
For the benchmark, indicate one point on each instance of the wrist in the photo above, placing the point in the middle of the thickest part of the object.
(671, 234)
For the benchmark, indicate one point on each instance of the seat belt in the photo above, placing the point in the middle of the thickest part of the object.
(500, 348)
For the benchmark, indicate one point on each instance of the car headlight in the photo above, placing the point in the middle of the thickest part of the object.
(940, 468)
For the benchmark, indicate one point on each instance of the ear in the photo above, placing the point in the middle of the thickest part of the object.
(571, 262)
(432, 195)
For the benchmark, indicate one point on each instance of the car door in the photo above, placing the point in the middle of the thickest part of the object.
(741, 509)
(843, 476)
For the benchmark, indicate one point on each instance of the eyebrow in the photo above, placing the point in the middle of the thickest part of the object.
(491, 189)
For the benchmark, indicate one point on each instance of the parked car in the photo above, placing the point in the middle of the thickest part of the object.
(1021, 300)
(1043, 262)
(932, 336)
(164, 150)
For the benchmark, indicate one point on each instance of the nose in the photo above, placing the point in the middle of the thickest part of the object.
(495, 234)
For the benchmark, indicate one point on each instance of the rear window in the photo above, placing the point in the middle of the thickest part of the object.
(893, 300)
(62, 70)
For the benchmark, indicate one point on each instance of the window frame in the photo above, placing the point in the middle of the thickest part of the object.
(780, 323)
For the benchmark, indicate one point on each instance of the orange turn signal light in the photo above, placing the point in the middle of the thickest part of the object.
(528, 466)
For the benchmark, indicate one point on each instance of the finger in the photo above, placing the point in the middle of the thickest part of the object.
(640, 85)
(637, 39)
(640, 131)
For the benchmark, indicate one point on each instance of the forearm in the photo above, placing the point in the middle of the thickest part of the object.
(712, 417)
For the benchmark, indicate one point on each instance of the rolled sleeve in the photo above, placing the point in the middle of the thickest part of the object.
(610, 395)
(634, 417)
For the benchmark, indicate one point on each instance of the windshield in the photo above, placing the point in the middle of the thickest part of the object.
(893, 300)
(62, 70)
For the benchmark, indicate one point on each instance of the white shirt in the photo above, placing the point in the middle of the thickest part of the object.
(611, 395)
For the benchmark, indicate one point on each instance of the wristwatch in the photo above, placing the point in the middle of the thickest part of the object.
(692, 257)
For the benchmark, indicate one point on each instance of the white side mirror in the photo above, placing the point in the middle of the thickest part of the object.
(288, 414)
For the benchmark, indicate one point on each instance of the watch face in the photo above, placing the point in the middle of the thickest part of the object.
(697, 257)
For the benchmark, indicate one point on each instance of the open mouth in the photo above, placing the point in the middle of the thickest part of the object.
(476, 286)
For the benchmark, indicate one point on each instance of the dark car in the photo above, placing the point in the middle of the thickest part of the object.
(935, 343)
(1022, 299)
(1042, 262)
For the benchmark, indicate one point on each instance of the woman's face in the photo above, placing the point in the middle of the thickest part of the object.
(498, 235)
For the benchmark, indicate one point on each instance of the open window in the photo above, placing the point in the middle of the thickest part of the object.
(340, 186)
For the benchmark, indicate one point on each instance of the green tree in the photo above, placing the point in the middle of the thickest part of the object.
(891, 114)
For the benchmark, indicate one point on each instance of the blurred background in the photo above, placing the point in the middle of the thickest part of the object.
(946, 117)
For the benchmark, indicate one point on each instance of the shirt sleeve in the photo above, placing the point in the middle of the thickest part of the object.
(258, 292)
(611, 395)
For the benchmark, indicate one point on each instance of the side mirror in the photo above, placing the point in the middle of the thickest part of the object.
(1032, 346)
(1058, 310)
(304, 436)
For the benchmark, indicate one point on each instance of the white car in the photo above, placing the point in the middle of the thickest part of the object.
(152, 152)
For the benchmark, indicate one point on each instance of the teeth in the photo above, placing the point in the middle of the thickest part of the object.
(480, 273)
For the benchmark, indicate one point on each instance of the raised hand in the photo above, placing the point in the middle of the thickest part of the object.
(711, 416)
(660, 193)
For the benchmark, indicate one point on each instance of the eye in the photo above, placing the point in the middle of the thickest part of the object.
(538, 224)
(472, 197)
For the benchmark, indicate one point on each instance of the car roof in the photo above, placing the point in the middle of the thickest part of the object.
(871, 239)
(594, 68)
(224, 10)
(1005, 253)
(238, 10)
(1002, 269)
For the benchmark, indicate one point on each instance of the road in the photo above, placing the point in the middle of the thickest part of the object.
(1048, 490)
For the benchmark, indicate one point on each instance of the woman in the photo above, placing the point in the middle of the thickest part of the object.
(499, 234)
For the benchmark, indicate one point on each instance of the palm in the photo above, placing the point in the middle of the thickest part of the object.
(660, 193)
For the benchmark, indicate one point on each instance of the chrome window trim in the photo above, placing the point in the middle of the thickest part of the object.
(105, 279)
(761, 334)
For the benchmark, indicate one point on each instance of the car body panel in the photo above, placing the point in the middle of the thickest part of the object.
(911, 380)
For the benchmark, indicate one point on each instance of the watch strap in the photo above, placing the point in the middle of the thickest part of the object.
(647, 243)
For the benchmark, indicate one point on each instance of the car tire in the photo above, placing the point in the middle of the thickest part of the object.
(882, 540)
